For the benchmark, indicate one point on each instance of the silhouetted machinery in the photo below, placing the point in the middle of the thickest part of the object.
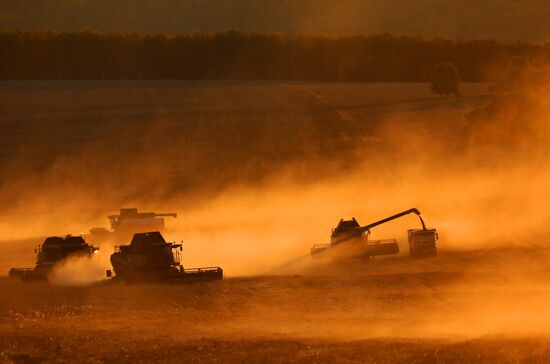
(53, 251)
(129, 222)
(150, 258)
(349, 240)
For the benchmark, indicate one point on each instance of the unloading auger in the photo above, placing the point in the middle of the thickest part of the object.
(349, 240)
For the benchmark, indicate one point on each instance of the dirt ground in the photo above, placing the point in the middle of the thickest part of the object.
(451, 308)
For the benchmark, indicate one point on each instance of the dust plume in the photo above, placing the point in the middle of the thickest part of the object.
(254, 230)
(479, 188)
(481, 183)
(82, 270)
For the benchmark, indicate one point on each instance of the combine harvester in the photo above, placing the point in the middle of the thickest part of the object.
(53, 251)
(149, 258)
(349, 240)
(127, 223)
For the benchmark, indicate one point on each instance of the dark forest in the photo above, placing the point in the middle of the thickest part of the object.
(235, 55)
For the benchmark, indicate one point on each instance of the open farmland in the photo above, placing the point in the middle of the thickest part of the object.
(258, 172)
(89, 148)
(160, 138)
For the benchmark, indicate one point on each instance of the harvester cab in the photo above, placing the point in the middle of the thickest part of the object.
(128, 222)
(149, 257)
(349, 240)
(53, 251)
(346, 230)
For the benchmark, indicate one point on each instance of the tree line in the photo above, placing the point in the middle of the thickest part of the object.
(47, 55)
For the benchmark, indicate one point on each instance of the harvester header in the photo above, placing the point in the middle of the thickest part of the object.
(149, 257)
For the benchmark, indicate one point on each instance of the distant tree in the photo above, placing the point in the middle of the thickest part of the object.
(518, 73)
(445, 79)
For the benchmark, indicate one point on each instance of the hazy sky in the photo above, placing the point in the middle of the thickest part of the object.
(503, 19)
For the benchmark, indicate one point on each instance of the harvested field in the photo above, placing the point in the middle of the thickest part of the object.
(257, 173)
